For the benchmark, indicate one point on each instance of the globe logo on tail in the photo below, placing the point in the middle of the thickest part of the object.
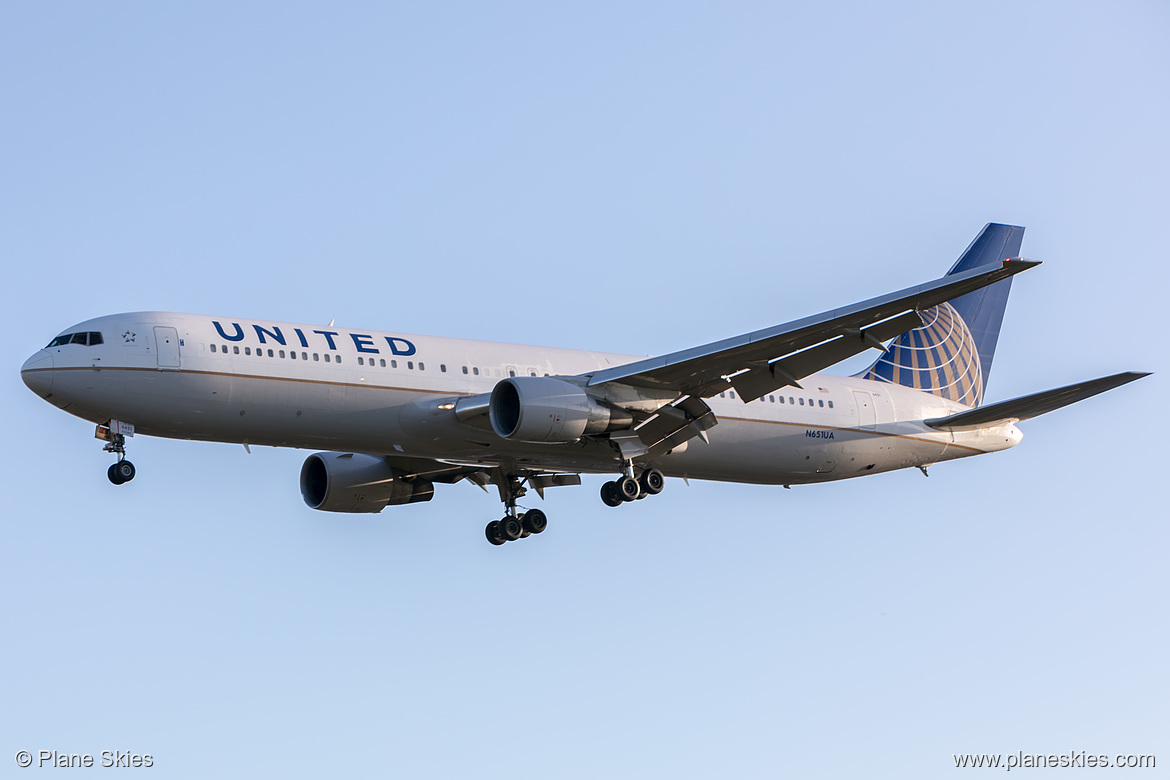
(940, 358)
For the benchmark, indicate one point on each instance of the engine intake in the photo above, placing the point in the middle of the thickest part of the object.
(544, 410)
(347, 482)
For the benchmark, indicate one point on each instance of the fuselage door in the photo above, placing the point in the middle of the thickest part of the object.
(866, 418)
(166, 345)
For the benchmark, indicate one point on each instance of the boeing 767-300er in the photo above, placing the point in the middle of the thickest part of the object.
(399, 413)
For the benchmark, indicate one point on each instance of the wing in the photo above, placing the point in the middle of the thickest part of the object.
(759, 362)
(763, 361)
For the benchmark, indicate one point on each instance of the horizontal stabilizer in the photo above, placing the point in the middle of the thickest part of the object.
(1029, 406)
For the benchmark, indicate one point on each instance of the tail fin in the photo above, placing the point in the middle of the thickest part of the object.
(950, 355)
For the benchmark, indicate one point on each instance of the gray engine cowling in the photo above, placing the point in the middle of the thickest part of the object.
(347, 482)
(545, 410)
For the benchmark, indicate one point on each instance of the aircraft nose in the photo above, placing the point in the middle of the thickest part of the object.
(37, 373)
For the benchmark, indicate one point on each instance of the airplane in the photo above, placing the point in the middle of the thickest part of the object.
(394, 413)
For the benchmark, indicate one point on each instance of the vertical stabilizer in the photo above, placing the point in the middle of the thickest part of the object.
(951, 354)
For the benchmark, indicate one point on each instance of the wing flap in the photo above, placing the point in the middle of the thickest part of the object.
(1029, 406)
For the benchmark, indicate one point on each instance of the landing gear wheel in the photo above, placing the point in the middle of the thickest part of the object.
(510, 529)
(609, 494)
(125, 470)
(629, 489)
(493, 533)
(534, 521)
(652, 482)
(121, 472)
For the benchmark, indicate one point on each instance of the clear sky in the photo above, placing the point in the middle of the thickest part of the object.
(628, 177)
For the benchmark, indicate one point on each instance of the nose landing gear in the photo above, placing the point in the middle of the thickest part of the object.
(123, 471)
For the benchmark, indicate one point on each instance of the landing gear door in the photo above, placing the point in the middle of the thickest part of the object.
(166, 342)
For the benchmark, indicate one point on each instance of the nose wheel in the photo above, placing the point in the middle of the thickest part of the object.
(121, 472)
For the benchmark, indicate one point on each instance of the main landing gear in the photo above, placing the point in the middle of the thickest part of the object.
(514, 525)
(628, 488)
(122, 471)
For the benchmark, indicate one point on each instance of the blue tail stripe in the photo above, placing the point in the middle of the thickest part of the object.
(983, 310)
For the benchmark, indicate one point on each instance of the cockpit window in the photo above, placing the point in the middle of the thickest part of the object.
(92, 338)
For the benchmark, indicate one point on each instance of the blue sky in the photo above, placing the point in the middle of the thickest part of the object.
(633, 178)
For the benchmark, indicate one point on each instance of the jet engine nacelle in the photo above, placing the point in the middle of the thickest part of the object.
(543, 409)
(346, 482)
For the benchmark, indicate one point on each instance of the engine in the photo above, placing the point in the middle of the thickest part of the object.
(544, 409)
(345, 482)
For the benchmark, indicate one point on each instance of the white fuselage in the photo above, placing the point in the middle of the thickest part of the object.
(331, 388)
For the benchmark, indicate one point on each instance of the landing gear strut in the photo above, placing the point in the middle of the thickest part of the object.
(514, 525)
(649, 483)
(122, 471)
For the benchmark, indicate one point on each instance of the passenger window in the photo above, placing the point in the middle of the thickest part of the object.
(236, 350)
(361, 361)
(316, 357)
(731, 393)
(772, 399)
(465, 369)
(282, 353)
(443, 368)
(830, 404)
(382, 362)
(723, 394)
(293, 354)
(410, 364)
(337, 358)
(802, 402)
(247, 350)
(393, 364)
(213, 348)
(475, 370)
(791, 400)
(270, 353)
(421, 367)
(531, 372)
(511, 372)
(327, 359)
(821, 404)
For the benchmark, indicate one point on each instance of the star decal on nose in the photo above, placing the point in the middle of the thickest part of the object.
(128, 337)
